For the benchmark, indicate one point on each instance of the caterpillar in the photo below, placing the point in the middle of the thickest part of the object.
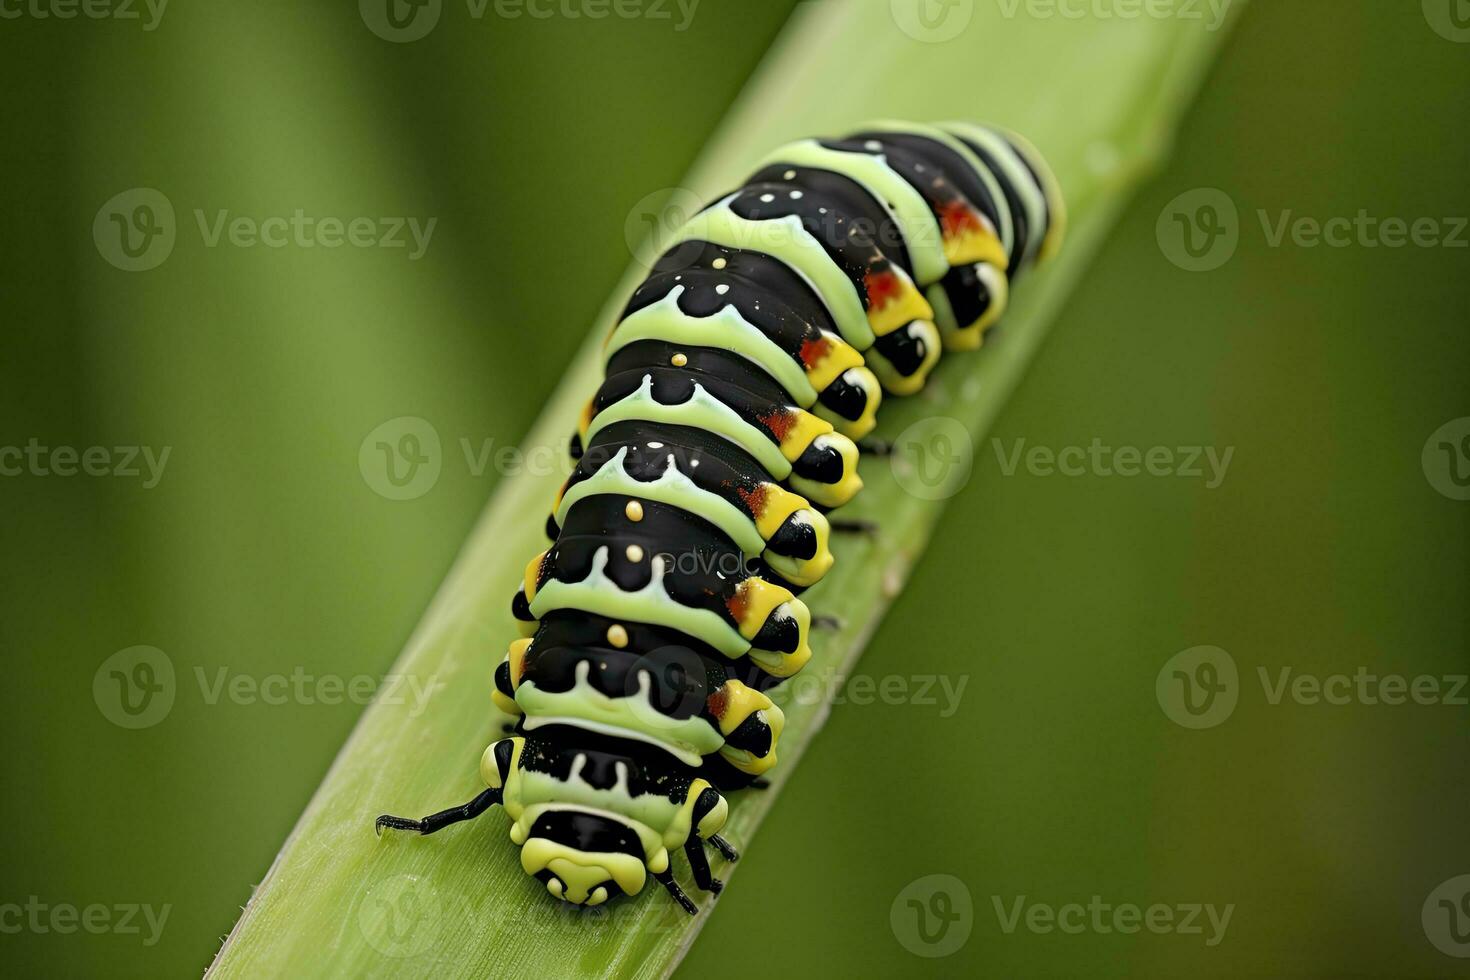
(738, 382)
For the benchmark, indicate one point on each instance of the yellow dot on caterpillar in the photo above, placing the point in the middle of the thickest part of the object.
(678, 360)
(617, 636)
(634, 553)
(634, 510)
(719, 263)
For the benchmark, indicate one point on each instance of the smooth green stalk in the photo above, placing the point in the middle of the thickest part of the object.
(1100, 98)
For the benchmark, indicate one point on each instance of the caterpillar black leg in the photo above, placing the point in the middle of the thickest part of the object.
(666, 878)
(826, 621)
(442, 819)
(699, 864)
(875, 447)
(723, 846)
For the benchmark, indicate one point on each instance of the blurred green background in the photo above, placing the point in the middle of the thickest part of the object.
(262, 550)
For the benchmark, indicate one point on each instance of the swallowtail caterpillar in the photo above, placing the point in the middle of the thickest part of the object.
(738, 380)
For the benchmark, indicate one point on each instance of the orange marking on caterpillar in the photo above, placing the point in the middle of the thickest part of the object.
(957, 219)
(779, 421)
(813, 351)
(755, 499)
(882, 288)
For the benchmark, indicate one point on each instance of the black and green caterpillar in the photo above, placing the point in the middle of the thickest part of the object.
(738, 378)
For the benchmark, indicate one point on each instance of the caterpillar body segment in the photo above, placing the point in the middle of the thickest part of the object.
(685, 697)
(736, 381)
(726, 302)
(708, 477)
(606, 563)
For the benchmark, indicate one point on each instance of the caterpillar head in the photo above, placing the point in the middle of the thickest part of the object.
(584, 858)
